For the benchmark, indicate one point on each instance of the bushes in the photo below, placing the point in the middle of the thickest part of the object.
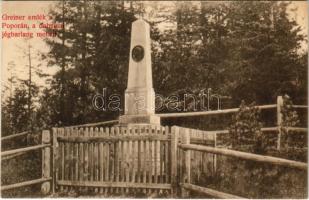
(293, 144)
(245, 131)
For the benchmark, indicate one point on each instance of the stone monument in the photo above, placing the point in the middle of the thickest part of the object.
(139, 95)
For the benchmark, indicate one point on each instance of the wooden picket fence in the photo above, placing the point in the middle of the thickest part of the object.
(120, 160)
(116, 159)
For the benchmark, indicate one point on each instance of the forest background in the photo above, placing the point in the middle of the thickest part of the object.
(252, 51)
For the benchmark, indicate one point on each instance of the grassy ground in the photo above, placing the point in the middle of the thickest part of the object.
(255, 180)
(129, 194)
(242, 178)
(22, 168)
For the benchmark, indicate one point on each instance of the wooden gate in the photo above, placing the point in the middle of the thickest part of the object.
(112, 160)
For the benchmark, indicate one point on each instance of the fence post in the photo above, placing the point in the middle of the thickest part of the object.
(55, 159)
(279, 120)
(45, 188)
(215, 155)
(174, 158)
(186, 178)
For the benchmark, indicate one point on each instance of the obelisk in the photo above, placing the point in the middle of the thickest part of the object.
(139, 95)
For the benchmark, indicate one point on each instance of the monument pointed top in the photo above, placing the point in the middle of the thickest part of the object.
(140, 20)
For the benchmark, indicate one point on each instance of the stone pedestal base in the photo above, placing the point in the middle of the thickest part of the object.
(139, 119)
(139, 101)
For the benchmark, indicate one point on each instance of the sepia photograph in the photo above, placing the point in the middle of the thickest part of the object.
(154, 99)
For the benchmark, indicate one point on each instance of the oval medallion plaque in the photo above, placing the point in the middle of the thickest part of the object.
(138, 53)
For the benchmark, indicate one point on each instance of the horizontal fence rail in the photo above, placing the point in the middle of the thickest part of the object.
(246, 156)
(24, 150)
(85, 139)
(101, 184)
(14, 135)
(264, 129)
(299, 106)
(296, 129)
(208, 191)
(269, 129)
(93, 124)
(25, 183)
(12, 156)
(212, 112)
